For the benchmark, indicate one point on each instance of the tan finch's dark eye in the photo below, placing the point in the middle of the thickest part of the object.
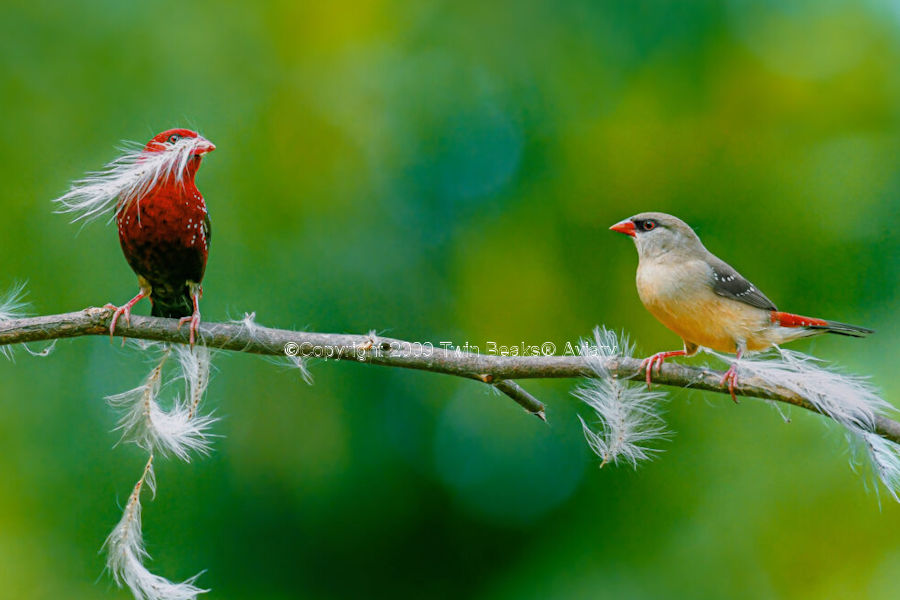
(648, 225)
(173, 138)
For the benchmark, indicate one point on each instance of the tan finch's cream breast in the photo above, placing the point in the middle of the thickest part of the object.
(678, 294)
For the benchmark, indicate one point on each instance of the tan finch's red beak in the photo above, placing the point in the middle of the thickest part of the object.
(626, 227)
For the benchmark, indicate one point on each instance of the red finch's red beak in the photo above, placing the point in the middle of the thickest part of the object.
(204, 147)
(626, 227)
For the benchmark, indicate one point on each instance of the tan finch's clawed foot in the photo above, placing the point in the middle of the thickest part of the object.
(658, 360)
(730, 376)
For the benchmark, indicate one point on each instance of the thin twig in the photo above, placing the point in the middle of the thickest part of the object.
(522, 397)
(487, 368)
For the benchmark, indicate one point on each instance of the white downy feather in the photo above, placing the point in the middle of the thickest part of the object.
(127, 178)
(126, 552)
(179, 430)
(627, 412)
(850, 400)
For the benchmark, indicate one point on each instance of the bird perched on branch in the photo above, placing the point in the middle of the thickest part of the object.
(705, 300)
(164, 227)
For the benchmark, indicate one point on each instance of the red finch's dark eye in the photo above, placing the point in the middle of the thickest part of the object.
(648, 225)
(173, 138)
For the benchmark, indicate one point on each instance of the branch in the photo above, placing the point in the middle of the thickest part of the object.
(494, 370)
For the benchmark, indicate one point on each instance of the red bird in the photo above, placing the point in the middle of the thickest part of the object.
(164, 226)
(705, 300)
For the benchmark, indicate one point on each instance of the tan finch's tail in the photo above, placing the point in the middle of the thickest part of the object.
(819, 325)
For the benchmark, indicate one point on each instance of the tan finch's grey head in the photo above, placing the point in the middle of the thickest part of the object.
(657, 233)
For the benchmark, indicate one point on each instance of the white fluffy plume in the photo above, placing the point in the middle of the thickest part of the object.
(627, 412)
(179, 430)
(126, 552)
(12, 306)
(850, 400)
(885, 459)
(195, 364)
(253, 330)
(127, 178)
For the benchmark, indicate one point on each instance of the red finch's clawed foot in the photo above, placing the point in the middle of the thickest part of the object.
(658, 359)
(124, 310)
(194, 320)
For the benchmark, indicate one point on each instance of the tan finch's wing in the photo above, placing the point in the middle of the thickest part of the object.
(728, 283)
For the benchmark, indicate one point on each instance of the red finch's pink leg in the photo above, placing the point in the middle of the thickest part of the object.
(194, 319)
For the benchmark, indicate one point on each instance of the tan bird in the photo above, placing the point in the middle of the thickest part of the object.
(705, 300)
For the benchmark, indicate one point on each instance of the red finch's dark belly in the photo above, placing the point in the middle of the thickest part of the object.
(165, 239)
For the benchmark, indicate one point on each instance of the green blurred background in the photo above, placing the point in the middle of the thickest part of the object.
(447, 171)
